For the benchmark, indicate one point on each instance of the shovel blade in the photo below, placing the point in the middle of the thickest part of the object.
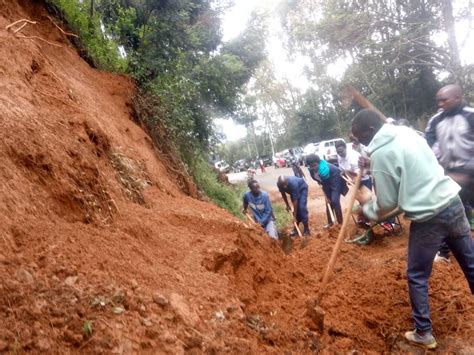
(316, 314)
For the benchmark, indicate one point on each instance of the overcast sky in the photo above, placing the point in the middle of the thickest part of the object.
(234, 22)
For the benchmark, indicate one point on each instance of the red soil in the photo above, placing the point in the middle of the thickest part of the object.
(158, 270)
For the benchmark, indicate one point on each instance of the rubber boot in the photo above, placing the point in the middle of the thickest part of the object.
(306, 232)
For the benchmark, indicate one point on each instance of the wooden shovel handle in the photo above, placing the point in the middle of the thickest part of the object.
(362, 101)
(250, 218)
(340, 237)
(295, 224)
(297, 229)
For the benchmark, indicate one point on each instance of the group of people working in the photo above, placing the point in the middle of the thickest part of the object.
(430, 179)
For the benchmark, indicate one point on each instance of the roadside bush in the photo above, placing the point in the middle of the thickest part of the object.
(228, 197)
(283, 218)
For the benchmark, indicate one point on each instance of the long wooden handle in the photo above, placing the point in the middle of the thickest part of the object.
(340, 237)
(331, 213)
(296, 225)
(250, 218)
(297, 229)
(362, 101)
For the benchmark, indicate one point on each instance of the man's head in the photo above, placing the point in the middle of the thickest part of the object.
(341, 148)
(312, 162)
(254, 187)
(449, 97)
(282, 182)
(354, 140)
(402, 122)
(365, 125)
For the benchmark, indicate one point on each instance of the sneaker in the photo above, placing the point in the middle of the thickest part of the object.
(306, 233)
(441, 259)
(327, 226)
(293, 233)
(426, 340)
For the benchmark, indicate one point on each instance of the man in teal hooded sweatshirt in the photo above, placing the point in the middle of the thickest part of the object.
(408, 179)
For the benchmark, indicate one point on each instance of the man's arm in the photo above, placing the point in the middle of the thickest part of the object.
(267, 212)
(386, 199)
(283, 195)
(430, 133)
(295, 208)
(245, 204)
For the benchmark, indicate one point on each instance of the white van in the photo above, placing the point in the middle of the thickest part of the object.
(327, 150)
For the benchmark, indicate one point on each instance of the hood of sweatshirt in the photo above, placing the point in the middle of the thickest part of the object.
(385, 135)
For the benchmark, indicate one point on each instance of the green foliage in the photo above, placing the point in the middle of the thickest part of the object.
(225, 196)
(87, 328)
(283, 218)
(102, 52)
(387, 46)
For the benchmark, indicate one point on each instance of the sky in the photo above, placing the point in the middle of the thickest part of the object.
(234, 22)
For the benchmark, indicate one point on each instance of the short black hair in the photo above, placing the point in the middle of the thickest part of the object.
(366, 119)
(402, 122)
(312, 158)
(251, 182)
(340, 144)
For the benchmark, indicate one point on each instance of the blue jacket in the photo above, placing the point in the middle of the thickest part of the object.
(260, 205)
(333, 182)
(296, 186)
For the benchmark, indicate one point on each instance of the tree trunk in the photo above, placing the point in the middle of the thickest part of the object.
(254, 138)
(448, 17)
(91, 15)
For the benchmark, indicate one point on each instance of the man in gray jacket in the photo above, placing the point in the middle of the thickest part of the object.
(452, 129)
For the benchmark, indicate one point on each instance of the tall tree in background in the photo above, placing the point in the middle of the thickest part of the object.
(387, 45)
(177, 56)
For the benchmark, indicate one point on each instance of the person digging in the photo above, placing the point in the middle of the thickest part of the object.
(409, 180)
(261, 208)
(329, 177)
(297, 188)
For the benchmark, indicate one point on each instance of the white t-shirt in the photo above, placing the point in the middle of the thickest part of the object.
(350, 162)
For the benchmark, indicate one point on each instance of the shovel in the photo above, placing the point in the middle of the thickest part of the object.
(296, 225)
(250, 218)
(331, 212)
(315, 312)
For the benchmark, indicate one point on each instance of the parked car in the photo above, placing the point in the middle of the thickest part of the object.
(222, 166)
(240, 165)
(267, 160)
(298, 151)
(327, 150)
(279, 159)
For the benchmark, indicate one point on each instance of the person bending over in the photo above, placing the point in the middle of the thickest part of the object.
(329, 177)
(297, 188)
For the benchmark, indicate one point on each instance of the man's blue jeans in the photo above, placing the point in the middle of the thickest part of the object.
(450, 226)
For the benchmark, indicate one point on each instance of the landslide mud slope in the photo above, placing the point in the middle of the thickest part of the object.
(101, 251)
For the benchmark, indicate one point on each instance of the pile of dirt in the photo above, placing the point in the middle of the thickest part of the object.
(101, 251)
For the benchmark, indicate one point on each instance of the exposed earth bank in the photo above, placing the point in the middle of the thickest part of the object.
(103, 249)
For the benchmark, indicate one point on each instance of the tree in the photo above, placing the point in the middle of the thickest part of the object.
(387, 46)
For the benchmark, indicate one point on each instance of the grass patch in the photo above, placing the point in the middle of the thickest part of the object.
(283, 218)
(224, 196)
